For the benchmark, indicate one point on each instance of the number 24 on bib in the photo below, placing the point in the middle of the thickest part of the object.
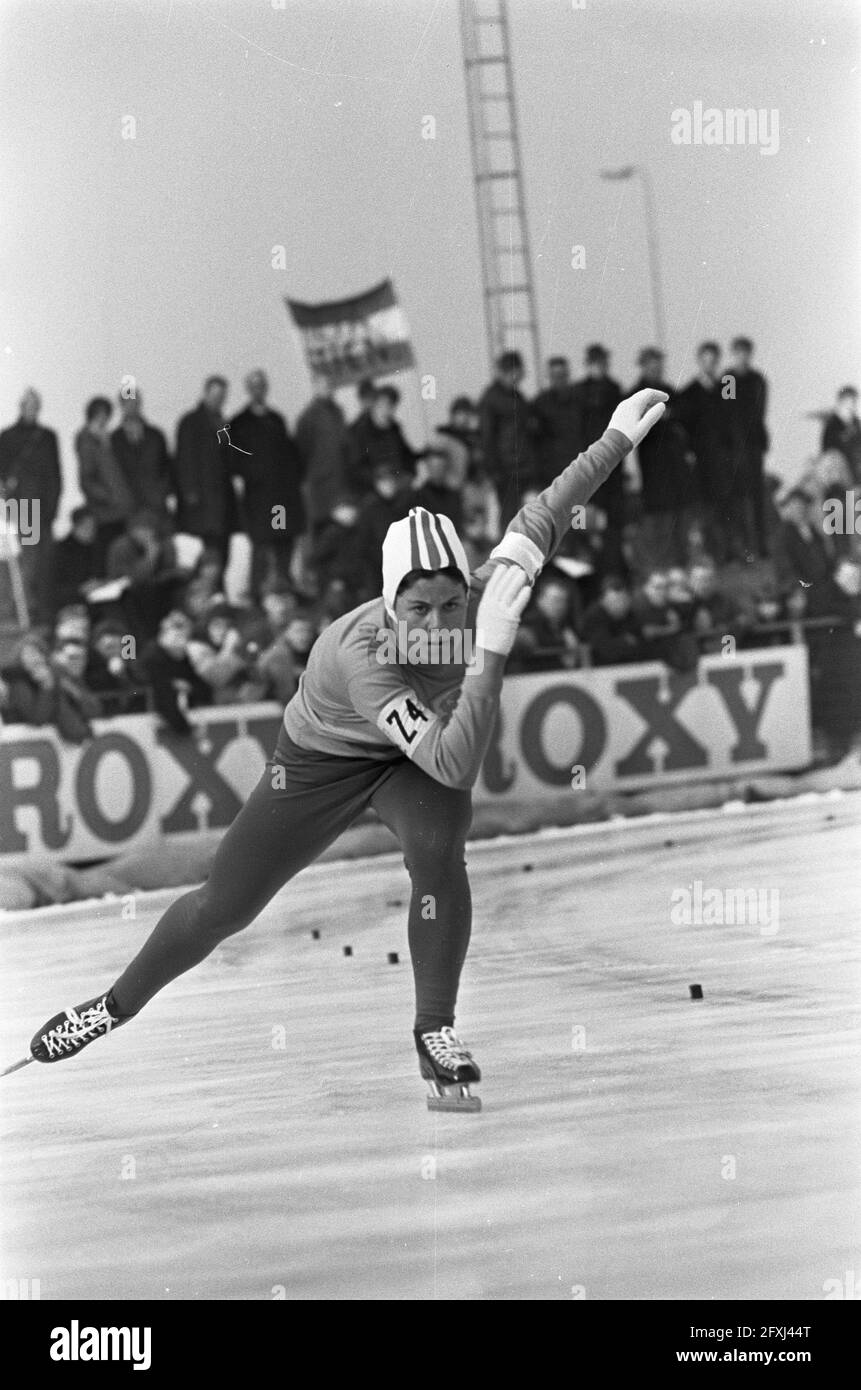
(405, 720)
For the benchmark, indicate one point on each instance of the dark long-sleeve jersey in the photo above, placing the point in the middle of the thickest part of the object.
(355, 699)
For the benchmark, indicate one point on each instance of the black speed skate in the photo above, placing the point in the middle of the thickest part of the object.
(449, 1068)
(69, 1032)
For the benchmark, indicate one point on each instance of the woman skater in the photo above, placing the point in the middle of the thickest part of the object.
(395, 711)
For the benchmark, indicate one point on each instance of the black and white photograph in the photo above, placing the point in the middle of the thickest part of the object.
(430, 666)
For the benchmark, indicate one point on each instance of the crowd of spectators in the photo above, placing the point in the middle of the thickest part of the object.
(125, 613)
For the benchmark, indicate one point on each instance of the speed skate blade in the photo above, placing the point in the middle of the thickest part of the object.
(16, 1066)
(457, 1098)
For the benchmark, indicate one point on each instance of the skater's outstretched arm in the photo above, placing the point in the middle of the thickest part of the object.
(536, 532)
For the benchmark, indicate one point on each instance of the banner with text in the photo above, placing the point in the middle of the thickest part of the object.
(618, 728)
(348, 339)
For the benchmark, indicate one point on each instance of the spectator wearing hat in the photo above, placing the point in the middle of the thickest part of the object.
(271, 467)
(30, 476)
(206, 501)
(101, 480)
(842, 430)
(324, 444)
(141, 452)
(376, 437)
(506, 428)
(666, 476)
(557, 412)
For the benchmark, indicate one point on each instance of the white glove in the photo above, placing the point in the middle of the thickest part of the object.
(502, 603)
(635, 416)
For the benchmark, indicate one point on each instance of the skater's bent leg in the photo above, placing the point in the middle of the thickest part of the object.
(431, 821)
(277, 832)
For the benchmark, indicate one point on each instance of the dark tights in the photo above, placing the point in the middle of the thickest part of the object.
(300, 806)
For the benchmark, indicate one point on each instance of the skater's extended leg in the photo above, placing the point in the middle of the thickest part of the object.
(302, 803)
(288, 820)
(431, 821)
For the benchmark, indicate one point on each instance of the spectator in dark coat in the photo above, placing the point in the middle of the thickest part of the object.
(223, 656)
(176, 686)
(666, 475)
(609, 627)
(113, 674)
(324, 443)
(101, 479)
(661, 626)
(802, 564)
(283, 662)
(597, 394)
(842, 430)
(385, 504)
(837, 708)
(506, 425)
(146, 557)
(461, 434)
(271, 469)
(557, 411)
(141, 452)
(337, 552)
(378, 438)
(30, 476)
(712, 611)
(206, 502)
(77, 559)
(749, 443)
(705, 415)
(546, 639)
(461, 438)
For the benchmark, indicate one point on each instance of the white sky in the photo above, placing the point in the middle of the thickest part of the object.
(259, 126)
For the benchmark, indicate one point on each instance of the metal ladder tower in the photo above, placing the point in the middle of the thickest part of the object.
(509, 292)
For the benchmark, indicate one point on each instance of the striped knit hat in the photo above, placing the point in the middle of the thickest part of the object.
(421, 541)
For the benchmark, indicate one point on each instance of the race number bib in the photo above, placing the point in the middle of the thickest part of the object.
(405, 720)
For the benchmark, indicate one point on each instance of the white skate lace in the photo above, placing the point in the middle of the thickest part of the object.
(77, 1029)
(447, 1049)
